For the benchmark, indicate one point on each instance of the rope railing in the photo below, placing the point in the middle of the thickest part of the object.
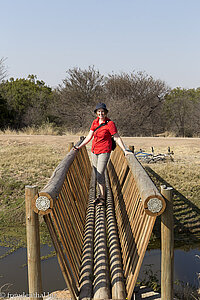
(137, 203)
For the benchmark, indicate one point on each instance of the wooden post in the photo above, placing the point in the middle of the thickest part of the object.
(33, 245)
(167, 246)
(70, 146)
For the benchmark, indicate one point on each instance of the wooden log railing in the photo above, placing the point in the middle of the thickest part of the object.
(63, 203)
(100, 249)
(137, 204)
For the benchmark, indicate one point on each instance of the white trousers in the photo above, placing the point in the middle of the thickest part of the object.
(99, 162)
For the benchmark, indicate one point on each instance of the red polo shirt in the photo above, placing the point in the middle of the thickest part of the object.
(102, 142)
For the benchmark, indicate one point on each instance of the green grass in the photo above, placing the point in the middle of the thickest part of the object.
(21, 165)
(186, 190)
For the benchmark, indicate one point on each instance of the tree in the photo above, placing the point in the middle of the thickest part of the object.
(4, 115)
(27, 100)
(182, 109)
(136, 100)
(78, 95)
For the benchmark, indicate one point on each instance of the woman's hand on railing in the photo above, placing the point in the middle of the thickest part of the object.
(75, 148)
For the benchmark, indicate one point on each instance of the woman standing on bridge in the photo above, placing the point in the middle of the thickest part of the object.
(102, 130)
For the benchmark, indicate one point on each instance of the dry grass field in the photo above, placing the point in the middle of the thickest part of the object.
(31, 159)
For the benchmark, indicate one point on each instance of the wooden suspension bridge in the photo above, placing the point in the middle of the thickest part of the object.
(100, 249)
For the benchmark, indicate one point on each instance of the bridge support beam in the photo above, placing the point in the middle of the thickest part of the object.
(86, 275)
(33, 245)
(101, 266)
(116, 269)
(167, 246)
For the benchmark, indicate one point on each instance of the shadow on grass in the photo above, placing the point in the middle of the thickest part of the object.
(186, 216)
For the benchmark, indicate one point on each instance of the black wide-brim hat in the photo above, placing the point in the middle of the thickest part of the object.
(100, 105)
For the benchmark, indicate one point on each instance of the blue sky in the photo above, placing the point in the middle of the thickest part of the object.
(47, 37)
